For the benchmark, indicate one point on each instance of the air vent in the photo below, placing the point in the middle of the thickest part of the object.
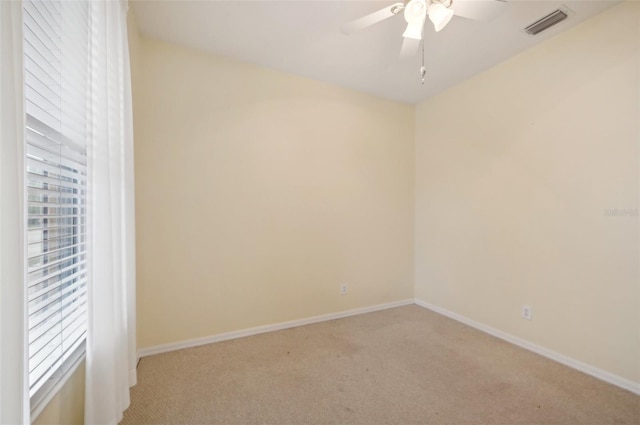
(547, 22)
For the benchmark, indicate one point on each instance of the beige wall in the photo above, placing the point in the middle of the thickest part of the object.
(67, 406)
(515, 170)
(259, 193)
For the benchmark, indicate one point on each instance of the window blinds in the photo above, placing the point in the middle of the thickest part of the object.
(56, 66)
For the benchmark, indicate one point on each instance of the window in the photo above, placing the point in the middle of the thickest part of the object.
(55, 77)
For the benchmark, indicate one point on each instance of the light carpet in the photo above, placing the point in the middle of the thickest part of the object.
(405, 365)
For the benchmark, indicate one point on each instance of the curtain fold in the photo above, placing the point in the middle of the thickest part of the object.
(13, 390)
(111, 356)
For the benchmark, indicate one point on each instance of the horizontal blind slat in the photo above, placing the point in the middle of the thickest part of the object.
(44, 18)
(44, 330)
(44, 245)
(36, 278)
(77, 279)
(44, 137)
(57, 262)
(64, 252)
(52, 223)
(44, 313)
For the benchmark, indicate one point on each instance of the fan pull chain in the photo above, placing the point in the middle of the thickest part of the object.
(423, 70)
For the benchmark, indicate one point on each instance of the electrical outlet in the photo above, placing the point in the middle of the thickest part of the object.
(344, 289)
(527, 312)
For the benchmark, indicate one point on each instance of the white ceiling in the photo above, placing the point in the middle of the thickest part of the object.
(303, 37)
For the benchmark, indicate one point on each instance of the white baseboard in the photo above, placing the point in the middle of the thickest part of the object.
(157, 349)
(603, 375)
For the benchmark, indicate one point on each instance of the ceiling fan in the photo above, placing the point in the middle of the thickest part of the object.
(439, 12)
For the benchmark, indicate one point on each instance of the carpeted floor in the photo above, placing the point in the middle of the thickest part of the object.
(405, 365)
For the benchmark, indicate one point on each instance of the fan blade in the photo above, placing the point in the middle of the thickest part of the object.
(370, 19)
(409, 48)
(478, 9)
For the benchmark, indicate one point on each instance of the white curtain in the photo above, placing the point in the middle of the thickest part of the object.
(13, 391)
(111, 356)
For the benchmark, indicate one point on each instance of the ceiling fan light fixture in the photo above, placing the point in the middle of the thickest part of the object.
(415, 13)
(439, 15)
(414, 31)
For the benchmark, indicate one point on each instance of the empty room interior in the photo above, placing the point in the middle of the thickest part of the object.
(339, 224)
